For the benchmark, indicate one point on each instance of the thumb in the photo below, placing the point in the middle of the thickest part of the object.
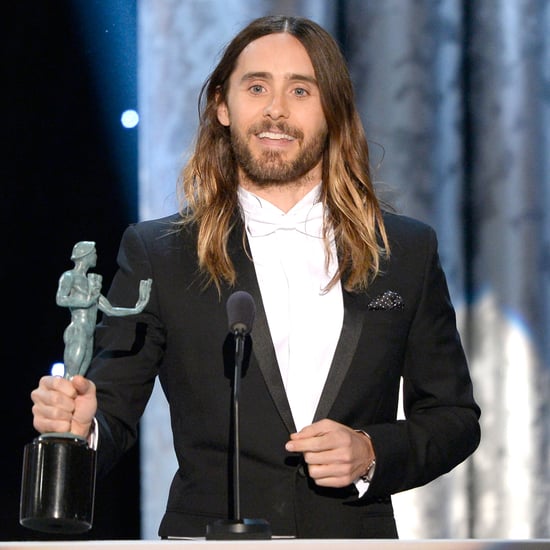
(85, 405)
(82, 385)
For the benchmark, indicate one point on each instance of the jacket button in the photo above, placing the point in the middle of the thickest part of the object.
(302, 471)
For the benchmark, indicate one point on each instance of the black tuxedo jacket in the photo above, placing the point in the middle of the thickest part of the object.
(402, 327)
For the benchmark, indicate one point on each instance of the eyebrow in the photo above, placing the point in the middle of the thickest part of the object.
(268, 76)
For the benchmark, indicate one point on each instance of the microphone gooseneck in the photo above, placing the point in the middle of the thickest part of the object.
(241, 311)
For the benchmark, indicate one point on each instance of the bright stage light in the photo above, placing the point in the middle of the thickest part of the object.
(58, 369)
(129, 118)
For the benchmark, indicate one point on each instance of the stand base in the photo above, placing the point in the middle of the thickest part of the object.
(57, 489)
(244, 529)
(60, 526)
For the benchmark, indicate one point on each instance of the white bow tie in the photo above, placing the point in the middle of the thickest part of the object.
(308, 221)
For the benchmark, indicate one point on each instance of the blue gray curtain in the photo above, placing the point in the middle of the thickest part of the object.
(455, 99)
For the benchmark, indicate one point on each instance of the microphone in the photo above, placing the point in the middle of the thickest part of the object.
(241, 311)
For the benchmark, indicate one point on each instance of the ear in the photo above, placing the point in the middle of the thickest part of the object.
(221, 110)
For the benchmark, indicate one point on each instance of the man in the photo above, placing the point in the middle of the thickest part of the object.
(277, 200)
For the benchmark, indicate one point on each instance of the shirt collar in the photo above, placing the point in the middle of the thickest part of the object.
(263, 218)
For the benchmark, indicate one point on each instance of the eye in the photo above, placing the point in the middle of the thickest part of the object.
(256, 88)
(301, 92)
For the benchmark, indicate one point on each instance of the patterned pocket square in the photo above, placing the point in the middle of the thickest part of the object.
(387, 301)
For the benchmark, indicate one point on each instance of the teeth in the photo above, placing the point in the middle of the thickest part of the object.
(273, 135)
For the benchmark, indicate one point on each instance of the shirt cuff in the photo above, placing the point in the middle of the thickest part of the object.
(93, 436)
(362, 486)
(363, 483)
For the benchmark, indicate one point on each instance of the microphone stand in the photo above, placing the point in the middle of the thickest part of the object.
(238, 528)
(239, 356)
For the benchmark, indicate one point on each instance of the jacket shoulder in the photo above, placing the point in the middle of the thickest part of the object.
(158, 226)
(159, 238)
(404, 230)
(159, 232)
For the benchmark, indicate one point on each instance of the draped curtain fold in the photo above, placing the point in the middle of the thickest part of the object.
(455, 99)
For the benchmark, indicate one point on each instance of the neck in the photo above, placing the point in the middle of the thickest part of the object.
(282, 195)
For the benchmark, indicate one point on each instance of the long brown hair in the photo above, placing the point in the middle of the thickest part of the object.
(208, 183)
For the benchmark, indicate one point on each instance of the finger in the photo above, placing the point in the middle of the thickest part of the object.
(53, 405)
(52, 399)
(311, 444)
(316, 429)
(334, 482)
(341, 460)
(80, 428)
(325, 471)
(43, 425)
(57, 384)
(322, 440)
(332, 475)
(51, 419)
(331, 456)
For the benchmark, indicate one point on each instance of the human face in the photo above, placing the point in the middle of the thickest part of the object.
(90, 259)
(274, 113)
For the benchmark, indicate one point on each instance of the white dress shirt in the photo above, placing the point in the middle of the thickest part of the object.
(304, 320)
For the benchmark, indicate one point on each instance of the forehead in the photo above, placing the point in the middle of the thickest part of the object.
(279, 54)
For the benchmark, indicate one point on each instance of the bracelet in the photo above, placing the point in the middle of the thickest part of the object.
(367, 477)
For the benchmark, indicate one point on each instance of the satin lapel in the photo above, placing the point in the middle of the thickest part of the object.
(354, 305)
(262, 345)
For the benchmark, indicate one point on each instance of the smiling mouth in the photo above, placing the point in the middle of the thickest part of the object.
(275, 135)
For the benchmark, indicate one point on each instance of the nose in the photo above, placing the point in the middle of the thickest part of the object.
(277, 107)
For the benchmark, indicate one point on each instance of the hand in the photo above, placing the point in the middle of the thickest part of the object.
(335, 454)
(62, 405)
(144, 293)
(94, 286)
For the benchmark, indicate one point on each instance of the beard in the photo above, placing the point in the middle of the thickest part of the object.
(270, 167)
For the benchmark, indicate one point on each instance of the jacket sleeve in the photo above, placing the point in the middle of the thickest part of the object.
(441, 427)
(128, 351)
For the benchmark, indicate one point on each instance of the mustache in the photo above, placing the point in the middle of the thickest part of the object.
(282, 127)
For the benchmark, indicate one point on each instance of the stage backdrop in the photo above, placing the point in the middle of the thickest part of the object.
(455, 98)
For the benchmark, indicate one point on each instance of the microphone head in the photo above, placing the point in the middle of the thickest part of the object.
(241, 311)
